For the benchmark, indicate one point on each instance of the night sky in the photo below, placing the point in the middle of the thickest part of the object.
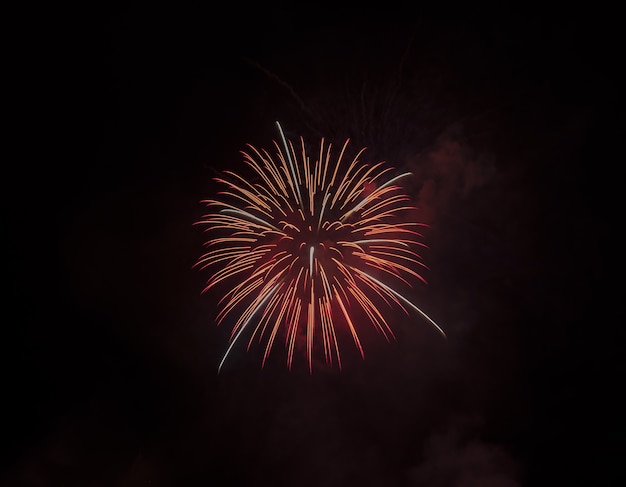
(509, 122)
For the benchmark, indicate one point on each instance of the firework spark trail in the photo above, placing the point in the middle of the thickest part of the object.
(304, 242)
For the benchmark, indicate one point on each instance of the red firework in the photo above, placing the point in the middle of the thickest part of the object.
(306, 245)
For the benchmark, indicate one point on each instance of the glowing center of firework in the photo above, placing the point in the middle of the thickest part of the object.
(309, 245)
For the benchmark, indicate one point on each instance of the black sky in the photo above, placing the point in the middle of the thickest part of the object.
(510, 123)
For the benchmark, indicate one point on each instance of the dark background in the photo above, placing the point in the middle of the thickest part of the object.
(121, 115)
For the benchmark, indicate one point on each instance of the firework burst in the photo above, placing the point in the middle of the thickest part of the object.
(311, 250)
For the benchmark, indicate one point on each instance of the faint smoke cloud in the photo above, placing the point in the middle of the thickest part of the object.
(452, 458)
(448, 173)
